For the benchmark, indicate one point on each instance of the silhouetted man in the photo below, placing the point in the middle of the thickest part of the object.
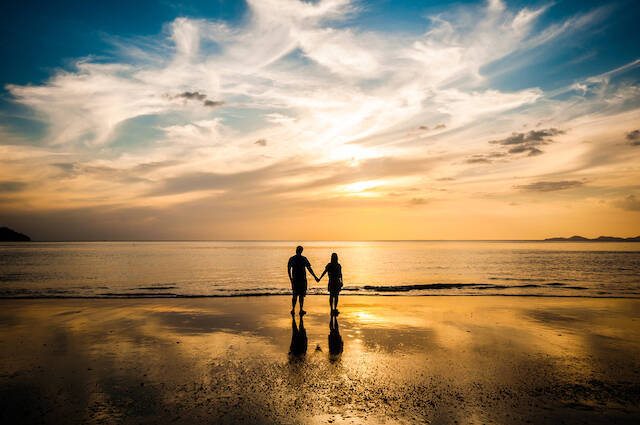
(297, 270)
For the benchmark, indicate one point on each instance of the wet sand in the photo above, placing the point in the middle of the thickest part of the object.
(440, 360)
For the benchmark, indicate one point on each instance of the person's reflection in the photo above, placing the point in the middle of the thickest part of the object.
(335, 340)
(298, 346)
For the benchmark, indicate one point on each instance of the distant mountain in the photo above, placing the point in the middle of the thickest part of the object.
(8, 235)
(598, 239)
(572, 239)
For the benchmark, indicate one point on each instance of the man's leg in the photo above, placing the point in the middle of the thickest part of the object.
(330, 300)
(293, 303)
(301, 303)
(335, 300)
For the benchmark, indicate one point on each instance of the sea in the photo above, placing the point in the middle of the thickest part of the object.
(259, 268)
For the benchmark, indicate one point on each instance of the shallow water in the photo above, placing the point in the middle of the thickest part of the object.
(439, 360)
(167, 269)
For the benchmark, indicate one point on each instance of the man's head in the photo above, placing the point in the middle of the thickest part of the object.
(299, 249)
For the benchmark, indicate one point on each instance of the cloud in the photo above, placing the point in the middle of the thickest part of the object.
(291, 176)
(532, 136)
(478, 160)
(192, 95)
(189, 95)
(418, 201)
(528, 142)
(532, 151)
(633, 137)
(427, 128)
(213, 103)
(65, 166)
(485, 158)
(290, 58)
(242, 181)
(260, 142)
(125, 174)
(12, 186)
(630, 203)
(550, 186)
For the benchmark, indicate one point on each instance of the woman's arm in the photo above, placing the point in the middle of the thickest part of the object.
(321, 276)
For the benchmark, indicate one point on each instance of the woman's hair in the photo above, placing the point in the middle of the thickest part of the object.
(334, 258)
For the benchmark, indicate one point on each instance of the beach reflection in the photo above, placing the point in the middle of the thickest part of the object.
(413, 357)
(298, 346)
(336, 345)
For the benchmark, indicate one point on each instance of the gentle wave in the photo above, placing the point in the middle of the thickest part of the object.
(551, 289)
(435, 286)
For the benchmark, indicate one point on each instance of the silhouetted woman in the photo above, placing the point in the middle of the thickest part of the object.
(334, 269)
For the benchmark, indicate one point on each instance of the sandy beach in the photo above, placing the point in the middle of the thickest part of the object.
(433, 360)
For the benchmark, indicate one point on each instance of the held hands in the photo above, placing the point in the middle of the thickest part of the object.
(317, 279)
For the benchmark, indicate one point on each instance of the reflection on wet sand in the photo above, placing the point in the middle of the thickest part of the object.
(336, 345)
(407, 359)
(298, 347)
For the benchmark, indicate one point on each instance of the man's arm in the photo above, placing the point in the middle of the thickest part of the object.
(311, 271)
(289, 271)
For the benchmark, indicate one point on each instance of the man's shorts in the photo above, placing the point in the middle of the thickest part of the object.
(299, 287)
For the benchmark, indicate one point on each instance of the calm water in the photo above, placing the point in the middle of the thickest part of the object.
(143, 269)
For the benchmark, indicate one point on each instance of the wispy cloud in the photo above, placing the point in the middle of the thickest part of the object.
(485, 158)
(630, 203)
(550, 186)
(12, 186)
(252, 66)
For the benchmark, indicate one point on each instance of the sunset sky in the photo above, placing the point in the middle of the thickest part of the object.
(334, 119)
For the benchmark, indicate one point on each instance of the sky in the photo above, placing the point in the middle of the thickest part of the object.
(333, 119)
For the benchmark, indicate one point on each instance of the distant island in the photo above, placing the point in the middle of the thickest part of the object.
(9, 235)
(598, 239)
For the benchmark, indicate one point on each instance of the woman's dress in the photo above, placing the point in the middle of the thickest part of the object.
(334, 270)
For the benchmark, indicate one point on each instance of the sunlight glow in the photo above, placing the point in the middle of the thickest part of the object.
(352, 153)
(361, 186)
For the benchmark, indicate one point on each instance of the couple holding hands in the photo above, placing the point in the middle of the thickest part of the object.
(297, 270)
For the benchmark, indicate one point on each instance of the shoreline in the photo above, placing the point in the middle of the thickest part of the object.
(387, 294)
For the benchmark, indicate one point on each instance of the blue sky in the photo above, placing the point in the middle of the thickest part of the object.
(237, 116)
